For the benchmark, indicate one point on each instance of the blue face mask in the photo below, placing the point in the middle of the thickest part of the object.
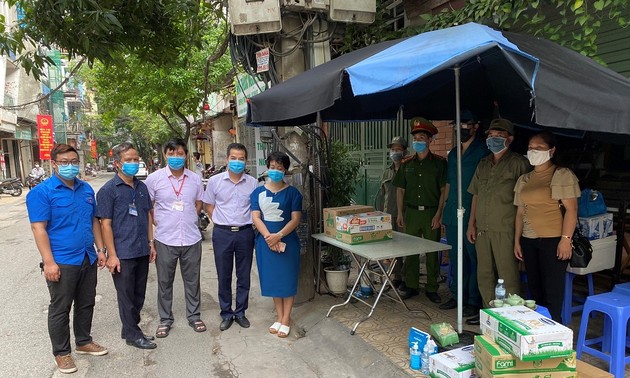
(68, 172)
(130, 169)
(419, 147)
(236, 166)
(176, 162)
(496, 144)
(275, 175)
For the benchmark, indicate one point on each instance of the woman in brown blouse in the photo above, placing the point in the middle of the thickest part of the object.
(542, 235)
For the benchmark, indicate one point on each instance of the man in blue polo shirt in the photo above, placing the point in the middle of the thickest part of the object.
(124, 207)
(61, 211)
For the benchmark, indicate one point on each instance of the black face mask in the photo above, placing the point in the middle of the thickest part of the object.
(465, 135)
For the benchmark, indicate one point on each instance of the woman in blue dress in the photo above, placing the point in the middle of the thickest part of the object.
(276, 212)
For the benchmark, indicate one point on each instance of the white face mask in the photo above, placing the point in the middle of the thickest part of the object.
(536, 157)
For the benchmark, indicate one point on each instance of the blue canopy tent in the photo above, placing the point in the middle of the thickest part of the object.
(435, 74)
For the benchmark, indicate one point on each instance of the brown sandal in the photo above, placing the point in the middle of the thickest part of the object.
(198, 325)
(163, 330)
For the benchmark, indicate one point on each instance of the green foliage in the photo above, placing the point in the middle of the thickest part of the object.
(574, 23)
(344, 174)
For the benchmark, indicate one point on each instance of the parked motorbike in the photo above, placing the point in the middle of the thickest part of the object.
(203, 223)
(12, 186)
(32, 180)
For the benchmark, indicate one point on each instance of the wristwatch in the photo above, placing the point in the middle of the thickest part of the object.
(103, 250)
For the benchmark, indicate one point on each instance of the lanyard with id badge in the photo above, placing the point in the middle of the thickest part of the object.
(132, 206)
(178, 205)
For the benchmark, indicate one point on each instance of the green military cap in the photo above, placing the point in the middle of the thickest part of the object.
(501, 124)
(398, 140)
(420, 124)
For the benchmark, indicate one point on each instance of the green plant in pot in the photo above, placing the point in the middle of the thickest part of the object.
(343, 176)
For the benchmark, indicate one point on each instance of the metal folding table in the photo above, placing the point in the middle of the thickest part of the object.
(401, 245)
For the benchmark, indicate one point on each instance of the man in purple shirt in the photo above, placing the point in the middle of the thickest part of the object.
(176, 193)
(227, 201)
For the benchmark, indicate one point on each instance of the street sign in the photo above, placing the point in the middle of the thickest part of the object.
(262, 60)
(93, 148)
(45, 133)
(246, 86)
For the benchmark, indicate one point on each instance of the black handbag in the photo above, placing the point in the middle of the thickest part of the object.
(582, 250)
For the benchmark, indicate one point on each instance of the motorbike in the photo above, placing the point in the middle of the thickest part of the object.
(203, 223)
(32, 180)
(12, 186)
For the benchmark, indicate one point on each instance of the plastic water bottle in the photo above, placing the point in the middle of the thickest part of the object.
(425, 359)
(414, 361)
(499, 291)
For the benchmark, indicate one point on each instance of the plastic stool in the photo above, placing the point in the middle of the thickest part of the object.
(567, 306)
(623, 288)
(616, 307)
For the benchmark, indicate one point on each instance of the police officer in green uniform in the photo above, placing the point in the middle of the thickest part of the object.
(385, 199)
(421, 182)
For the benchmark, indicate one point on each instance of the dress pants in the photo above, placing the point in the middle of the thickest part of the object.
(418, 223)
(495, 259)
(190, 268)
(230, 248)
(545, 273)
(77, 284)
(131, 286)
(470, 287)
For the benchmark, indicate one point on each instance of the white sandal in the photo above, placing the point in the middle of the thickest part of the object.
(275, 327)
(284, 331)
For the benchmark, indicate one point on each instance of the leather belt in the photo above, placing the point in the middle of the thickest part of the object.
(233, 228)
(421, 207)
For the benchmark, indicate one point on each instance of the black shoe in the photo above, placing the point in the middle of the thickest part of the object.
(470, 311)
(448, 305)
(148, 337)
(242, 321)
(434, 297)
(226, 323)
(142, 343)
(408, 293)
(473, 321)
(396, 283)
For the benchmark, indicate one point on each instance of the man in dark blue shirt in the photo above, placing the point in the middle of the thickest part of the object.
(61, 211)
(124, 207)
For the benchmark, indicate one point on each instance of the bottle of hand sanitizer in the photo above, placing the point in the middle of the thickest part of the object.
(414, 362)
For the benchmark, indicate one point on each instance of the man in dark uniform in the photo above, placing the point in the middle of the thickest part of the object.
(420, 195)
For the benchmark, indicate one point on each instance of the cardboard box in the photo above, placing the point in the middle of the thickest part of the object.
(482, 371)
(589, 371)
(596, 227)
(497, 361)
(331, 214)
(456, 363)
(604, 251)
(364, 222)
(364, 237)
(525, 333)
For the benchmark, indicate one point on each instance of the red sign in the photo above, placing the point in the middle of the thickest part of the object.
(93, 148)
(45, 132)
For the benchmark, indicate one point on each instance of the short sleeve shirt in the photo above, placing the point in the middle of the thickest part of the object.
(69, 213)
(493, 184)
(422, 180)
(539, 193)
(231, 201)
(119, 202)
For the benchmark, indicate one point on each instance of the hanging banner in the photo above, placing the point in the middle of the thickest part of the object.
(93, 148)
(45, 133)
(262, 60)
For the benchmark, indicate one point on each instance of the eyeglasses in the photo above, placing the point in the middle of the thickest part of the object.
(66, 163)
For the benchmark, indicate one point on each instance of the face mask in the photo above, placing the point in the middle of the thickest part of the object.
(419, 146)
(69, 172)
(236, 166)
(36, 165)
(176, 162)
(275, 175)
(465, 135)
(395, 155)
(538, 157)
(496, 144)
(130, 169)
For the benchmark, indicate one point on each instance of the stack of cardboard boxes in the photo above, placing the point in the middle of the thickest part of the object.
(357, 224)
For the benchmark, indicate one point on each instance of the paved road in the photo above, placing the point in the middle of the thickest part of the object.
(326, 350)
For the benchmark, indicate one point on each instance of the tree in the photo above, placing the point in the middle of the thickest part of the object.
(574, 23)
(155, 31)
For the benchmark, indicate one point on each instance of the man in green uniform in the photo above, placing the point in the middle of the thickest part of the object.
(491, 224)
(421, 182)
(386, 197)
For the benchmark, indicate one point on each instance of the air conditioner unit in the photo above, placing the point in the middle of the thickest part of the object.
(254, 16)
(305, 5)
(353, 11)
